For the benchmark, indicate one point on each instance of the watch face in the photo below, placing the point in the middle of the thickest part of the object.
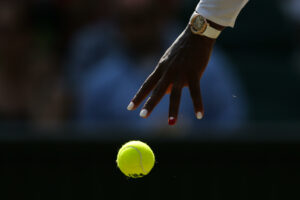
(198, 24)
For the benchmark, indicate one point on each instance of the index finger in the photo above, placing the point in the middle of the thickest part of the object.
(144, 90)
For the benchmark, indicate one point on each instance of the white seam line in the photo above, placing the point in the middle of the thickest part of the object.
(141, 164)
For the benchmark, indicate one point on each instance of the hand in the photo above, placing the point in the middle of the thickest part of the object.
(182, 65)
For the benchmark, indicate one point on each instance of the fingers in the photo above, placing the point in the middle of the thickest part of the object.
(195, 92)
(174, 103)
(155, 98)
(144, 90)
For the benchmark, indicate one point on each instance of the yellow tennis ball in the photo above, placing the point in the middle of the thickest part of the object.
(135, 159)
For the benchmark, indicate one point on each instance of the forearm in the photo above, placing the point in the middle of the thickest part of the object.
(222, 12)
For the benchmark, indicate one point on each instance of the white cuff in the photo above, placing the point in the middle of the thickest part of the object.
(222, 12)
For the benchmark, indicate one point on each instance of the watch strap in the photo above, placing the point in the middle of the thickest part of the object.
(208, 30)
(211, 32)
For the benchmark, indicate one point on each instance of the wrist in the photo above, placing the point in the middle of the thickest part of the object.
(199, 40)
(199, 25)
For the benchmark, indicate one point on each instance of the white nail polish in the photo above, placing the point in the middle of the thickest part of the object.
(143, 113)
(130, 106)
(199, 115)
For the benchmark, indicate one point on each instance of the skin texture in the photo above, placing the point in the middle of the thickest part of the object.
(181, 65)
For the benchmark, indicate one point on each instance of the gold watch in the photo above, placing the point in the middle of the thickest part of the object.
(200, 26)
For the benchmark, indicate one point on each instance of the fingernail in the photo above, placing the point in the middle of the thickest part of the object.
(143, 113)
(130, 106)
(199, 115)
(171, 121)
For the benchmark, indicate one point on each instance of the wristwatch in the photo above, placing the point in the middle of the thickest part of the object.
(200, 26)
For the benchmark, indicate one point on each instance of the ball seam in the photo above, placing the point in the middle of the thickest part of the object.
(141, 158)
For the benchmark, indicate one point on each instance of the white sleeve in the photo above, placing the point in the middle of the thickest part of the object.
(222, 12)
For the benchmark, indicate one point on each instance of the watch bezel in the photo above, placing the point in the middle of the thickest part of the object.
(198, 30)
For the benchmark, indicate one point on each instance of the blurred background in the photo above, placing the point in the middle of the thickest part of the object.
(68, 70)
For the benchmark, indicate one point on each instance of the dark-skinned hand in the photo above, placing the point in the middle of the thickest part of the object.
(182, 65)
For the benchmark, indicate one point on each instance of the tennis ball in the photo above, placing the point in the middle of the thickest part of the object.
(135, 159)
